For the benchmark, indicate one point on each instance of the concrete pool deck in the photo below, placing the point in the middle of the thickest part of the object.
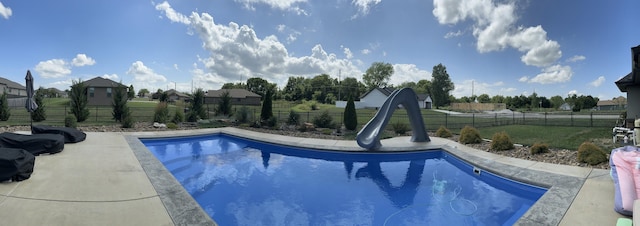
(110, 179)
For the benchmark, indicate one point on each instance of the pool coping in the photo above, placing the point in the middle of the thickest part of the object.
(563, 182)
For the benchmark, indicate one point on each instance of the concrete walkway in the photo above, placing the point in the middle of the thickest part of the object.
(104, 181)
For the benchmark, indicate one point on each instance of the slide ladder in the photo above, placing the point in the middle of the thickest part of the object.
(369, 135)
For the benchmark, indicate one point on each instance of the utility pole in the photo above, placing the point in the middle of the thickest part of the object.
(339, 84)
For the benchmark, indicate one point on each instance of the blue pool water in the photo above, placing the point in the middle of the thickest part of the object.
(245, 182)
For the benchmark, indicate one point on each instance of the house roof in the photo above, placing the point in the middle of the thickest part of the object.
(384, 90)
(101, 82)
(234, 93)
(625, 82)
(177, 93)
(11, 84)
(423, 97)
(614, 102)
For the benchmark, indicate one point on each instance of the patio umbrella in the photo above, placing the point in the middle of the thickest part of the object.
(31, 102)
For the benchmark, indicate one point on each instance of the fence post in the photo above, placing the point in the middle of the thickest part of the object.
(545, 118)
(591, 119)
(96, 113)
(473, 120)
(446, 120)
(307, 116)
(572, 118)
(523, 118)
(495, 119)
(513, 116)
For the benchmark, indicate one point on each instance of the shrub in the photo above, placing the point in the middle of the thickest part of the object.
(161, 114)
(266, 112)
(39, 114)
(400, 128)
(501, 142)
(323, 120)
(5, 112)
(172, 125)
(119, 104)
(443, 132)
(294, 118)
(178, 117)
(78, 101)
(539, 148)
(591, 154)
(314, 105)
(127, 120)
(197, 106)
(469, 135)
(242, 116)
(270, 122)
(70, 121)
(350, 119)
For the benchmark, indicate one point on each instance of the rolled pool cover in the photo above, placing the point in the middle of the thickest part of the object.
(625, 171)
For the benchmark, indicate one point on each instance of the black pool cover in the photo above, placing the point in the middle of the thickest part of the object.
(71, 135)
(15, 164)
(35, 144)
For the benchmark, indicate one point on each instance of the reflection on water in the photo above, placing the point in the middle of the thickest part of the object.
(238, 182)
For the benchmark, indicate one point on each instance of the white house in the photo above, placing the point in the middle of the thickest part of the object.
(375, 98)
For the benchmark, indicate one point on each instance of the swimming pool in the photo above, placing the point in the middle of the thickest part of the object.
(243, 182)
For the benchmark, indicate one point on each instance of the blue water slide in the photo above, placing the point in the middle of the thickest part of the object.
(369, 135)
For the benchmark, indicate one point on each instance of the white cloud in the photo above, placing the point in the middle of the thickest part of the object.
(113, 77)
(5, 11)
(577, 58)
(573, 92)
(473, 87)
(82, 60)
(171, 14)
(598, 82)
(237, 53)
(285, 5)
(54, 68)
(281, 27)
(175, 66)
(523, 79)
(553, 74)
(453, 34)
(365, 51)
(494, 28)
(408, 73)
(143, 74)
(364, 6)
(347, 52)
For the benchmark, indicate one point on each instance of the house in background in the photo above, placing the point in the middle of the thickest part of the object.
(631, 85)
(238, 97)
(174, 96)
(565, 107)
(13, 89)
(100, 91)
(618, 103)
(376, 97)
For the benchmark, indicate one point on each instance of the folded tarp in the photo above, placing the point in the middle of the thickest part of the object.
(35, 144)
(71, 135)
(625, 171)
(15, 164)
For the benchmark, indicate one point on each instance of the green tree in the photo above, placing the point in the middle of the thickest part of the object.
(259, 86)
(143, 92)
(350, 116)
(423, 86)
(377, 75)
(224, 106)
(497, 99)
(484, 98)
(230, 85)
(5, 112)
(441, 85)
(39, 114)
(351, 87)
(267, 107)
(556, 101)
(119, 104)
(78, 101)
(197, 106)
(295, 89)
(164, 97)
(131, 93)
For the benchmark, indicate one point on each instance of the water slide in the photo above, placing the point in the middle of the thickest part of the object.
(369, 135)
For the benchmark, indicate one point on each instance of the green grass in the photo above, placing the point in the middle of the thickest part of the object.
(555, 136)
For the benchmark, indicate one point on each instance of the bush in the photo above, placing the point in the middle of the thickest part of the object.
(294, 118)
(323, 120)
(469, 135)
(70, 121)
(400, 128)
(39, 114)
(127, 120)
(161, 114)
(501, 142)
(178, 117)
(539, 148)
(443, 132)
(5, 112)
(591, 154)
(270, 122)
(78, 101)
(350, 119)
(242, 116)
(266, 112)
(172, 125)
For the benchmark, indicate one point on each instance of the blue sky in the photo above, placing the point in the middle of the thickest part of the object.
(497, 47)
